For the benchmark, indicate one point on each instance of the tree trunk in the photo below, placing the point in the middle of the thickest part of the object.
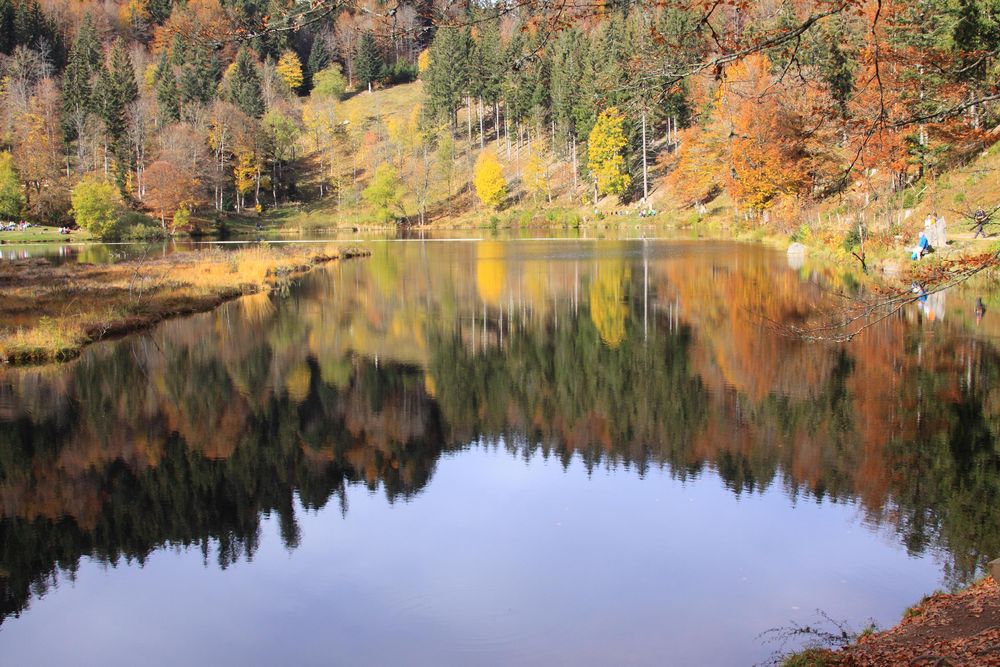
(482, 137)
(645, 168)
(468, 116)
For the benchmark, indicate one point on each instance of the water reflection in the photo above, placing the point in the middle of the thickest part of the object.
(617, 354)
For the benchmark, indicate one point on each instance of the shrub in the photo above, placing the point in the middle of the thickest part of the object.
(96, 205)
(137, 226)
(403, 72)
(329, 83)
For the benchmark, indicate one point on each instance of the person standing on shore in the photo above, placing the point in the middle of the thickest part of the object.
(981, 219)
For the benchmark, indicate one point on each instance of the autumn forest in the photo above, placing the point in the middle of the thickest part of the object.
(150, 117)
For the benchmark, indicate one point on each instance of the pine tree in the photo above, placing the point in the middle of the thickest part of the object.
(368, 62)
(166, 97)
(116, 89)
(244, 89)
(159, 10)
(198, 79)
(564, 82)
(447, 76)
(486, 70)
(178, 50)
(319, 57)
(8, 38)
(78, 80)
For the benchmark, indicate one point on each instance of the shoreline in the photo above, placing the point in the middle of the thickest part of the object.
(961, 628)
(58, 310)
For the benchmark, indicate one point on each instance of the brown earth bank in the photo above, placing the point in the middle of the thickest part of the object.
(943, 630)
(50, 312)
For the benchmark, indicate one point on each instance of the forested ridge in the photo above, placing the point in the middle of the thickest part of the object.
(188, 110)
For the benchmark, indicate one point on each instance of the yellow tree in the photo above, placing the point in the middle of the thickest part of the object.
(491, 186)
(244, 173)
(290, 69)
(605, 153)
(536, 177)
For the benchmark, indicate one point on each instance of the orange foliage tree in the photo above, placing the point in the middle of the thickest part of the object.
(765, 150)
(168, 189)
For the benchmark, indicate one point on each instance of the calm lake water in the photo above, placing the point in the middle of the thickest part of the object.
(497, 452)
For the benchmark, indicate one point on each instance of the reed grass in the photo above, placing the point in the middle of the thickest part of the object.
(49, 313)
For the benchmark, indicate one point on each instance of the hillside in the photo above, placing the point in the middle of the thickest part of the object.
(153, 118)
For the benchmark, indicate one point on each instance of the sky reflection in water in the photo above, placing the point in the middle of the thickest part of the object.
(485, 453)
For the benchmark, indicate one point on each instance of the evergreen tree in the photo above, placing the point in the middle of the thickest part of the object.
(178, 51)
(319, 59)
(8, 38)
(838, 72)
(114, 90)
(319, 55)
(29, 22)
(447, 76)
(567, 83)
(123, 74)
(244, 88)
(486, 63)
(198, 79)
(78, 80)
(166, 97)
(368, 61)
(159, 10)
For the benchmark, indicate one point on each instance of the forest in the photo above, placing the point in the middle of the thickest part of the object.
(150, 117)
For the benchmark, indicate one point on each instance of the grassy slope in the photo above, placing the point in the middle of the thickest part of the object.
(893, 227)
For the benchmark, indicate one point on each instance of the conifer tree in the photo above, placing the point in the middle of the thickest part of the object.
(319, 58)
(368, 62)
(244, 88)
(159, 10)
(78, 79)
(447, 74)
(8, 38)
(115, 89)
(198, 79)
(166, 97)
(178, 50)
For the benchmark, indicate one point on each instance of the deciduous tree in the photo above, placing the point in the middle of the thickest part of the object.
(491, 186)
(606, 156)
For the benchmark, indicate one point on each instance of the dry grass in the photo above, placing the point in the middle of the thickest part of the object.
(50, 312)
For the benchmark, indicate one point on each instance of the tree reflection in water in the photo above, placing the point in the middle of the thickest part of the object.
(621, 354)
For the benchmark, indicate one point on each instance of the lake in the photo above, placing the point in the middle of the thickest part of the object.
(492, 452)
